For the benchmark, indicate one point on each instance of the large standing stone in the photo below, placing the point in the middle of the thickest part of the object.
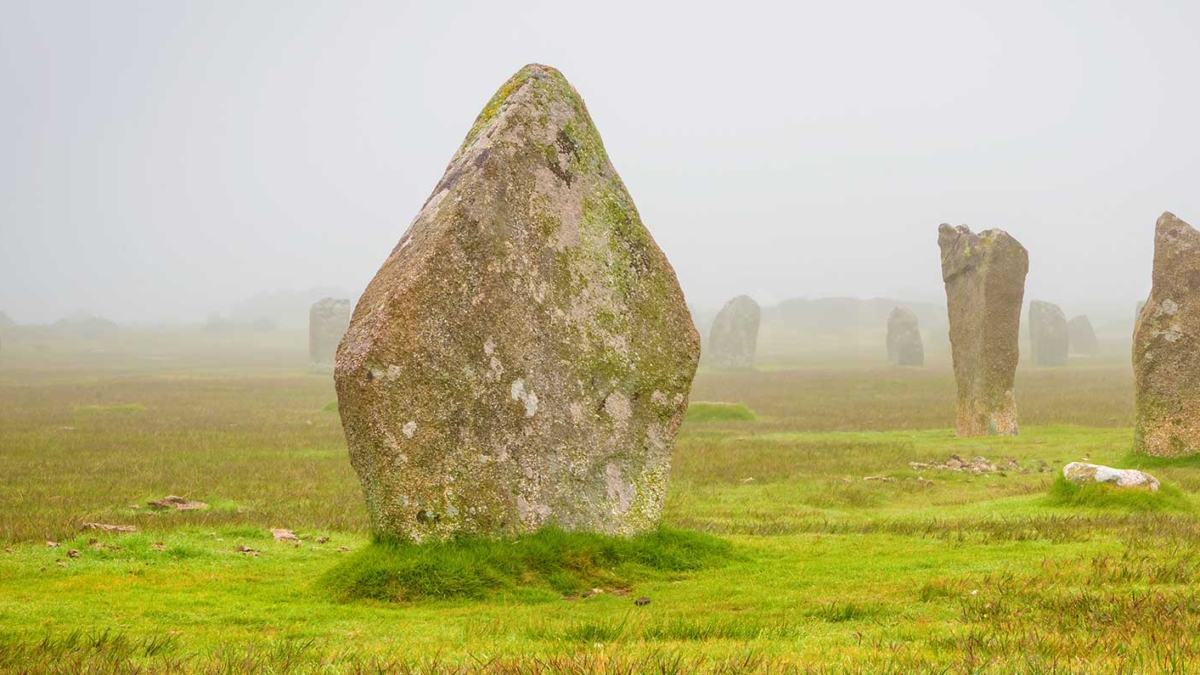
(524, 356)
(904, 345)
(733, 338)
(985, 285)
(327, 322)
(1081, 337)
(1166, 346)
(1047, 334)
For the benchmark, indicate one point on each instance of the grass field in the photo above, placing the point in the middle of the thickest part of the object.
(834, 555)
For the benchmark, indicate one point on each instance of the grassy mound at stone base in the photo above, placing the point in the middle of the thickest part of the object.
(701, 411)
(547, 561)
(1104, 496)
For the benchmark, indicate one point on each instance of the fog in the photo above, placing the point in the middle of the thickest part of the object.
(165, 160)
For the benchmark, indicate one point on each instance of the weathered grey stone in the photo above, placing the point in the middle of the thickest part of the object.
(1166, 346)
(904, 345)
(733, 338)
(985, 284)
(1082, 337)
(1047, 334)
(524, 356)
(328, 320)
(1137, 313)
(1081, 473)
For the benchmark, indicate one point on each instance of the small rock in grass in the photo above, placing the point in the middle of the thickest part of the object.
(177, 503)
(52, 544)
(642, 601)
(73, 553)
(1081, 473)
(246, 550)
(284, 535)
(342, 549)
(158, 546)
(108, 528)
(322, 540)
(62, 564)
(8, 550)
(881, 479)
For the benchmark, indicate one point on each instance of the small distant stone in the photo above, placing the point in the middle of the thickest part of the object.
(1081, 473)
(284, 535)
(1081, 337)
(1048, 334)
(158, 546)
(904, 345)
(61, 563)
(733, 338)
(246, 550)
(8, 550)
(103, 527)
(322, 540)
(135, 506)
(52, 544)
(73, 553)
(342, 549)
(881, 479)
(642, 601)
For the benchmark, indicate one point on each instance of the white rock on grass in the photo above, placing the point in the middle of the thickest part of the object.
(1081, 473)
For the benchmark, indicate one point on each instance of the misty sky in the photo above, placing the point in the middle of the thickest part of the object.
(160, 160)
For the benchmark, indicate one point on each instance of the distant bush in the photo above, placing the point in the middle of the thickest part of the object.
(1104, 496)
(550, 559)
(719, 412)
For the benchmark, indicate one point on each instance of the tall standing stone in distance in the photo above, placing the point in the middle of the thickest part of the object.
(1048, 335)
(1081, 337)
(985, 285)
(733, 338)
(523, 357)
(327, 322)
(904, 345)
(1166, 347)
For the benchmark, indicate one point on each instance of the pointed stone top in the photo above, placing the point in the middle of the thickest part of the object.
(1169, 221)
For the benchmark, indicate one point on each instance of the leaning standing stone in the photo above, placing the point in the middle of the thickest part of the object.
(985, 284)
(1166, 346)
(1081, 337)
(524, 355)
(733, 338)
(904, 345)
(1047, 334)
(327, 323)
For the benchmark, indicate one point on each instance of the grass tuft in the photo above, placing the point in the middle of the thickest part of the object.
(701, 412)
(547, 560)
(1103, 496)
(330, 407)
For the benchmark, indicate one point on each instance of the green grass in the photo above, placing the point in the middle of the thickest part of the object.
(548, 561)
(778, 555)
(700, 412)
